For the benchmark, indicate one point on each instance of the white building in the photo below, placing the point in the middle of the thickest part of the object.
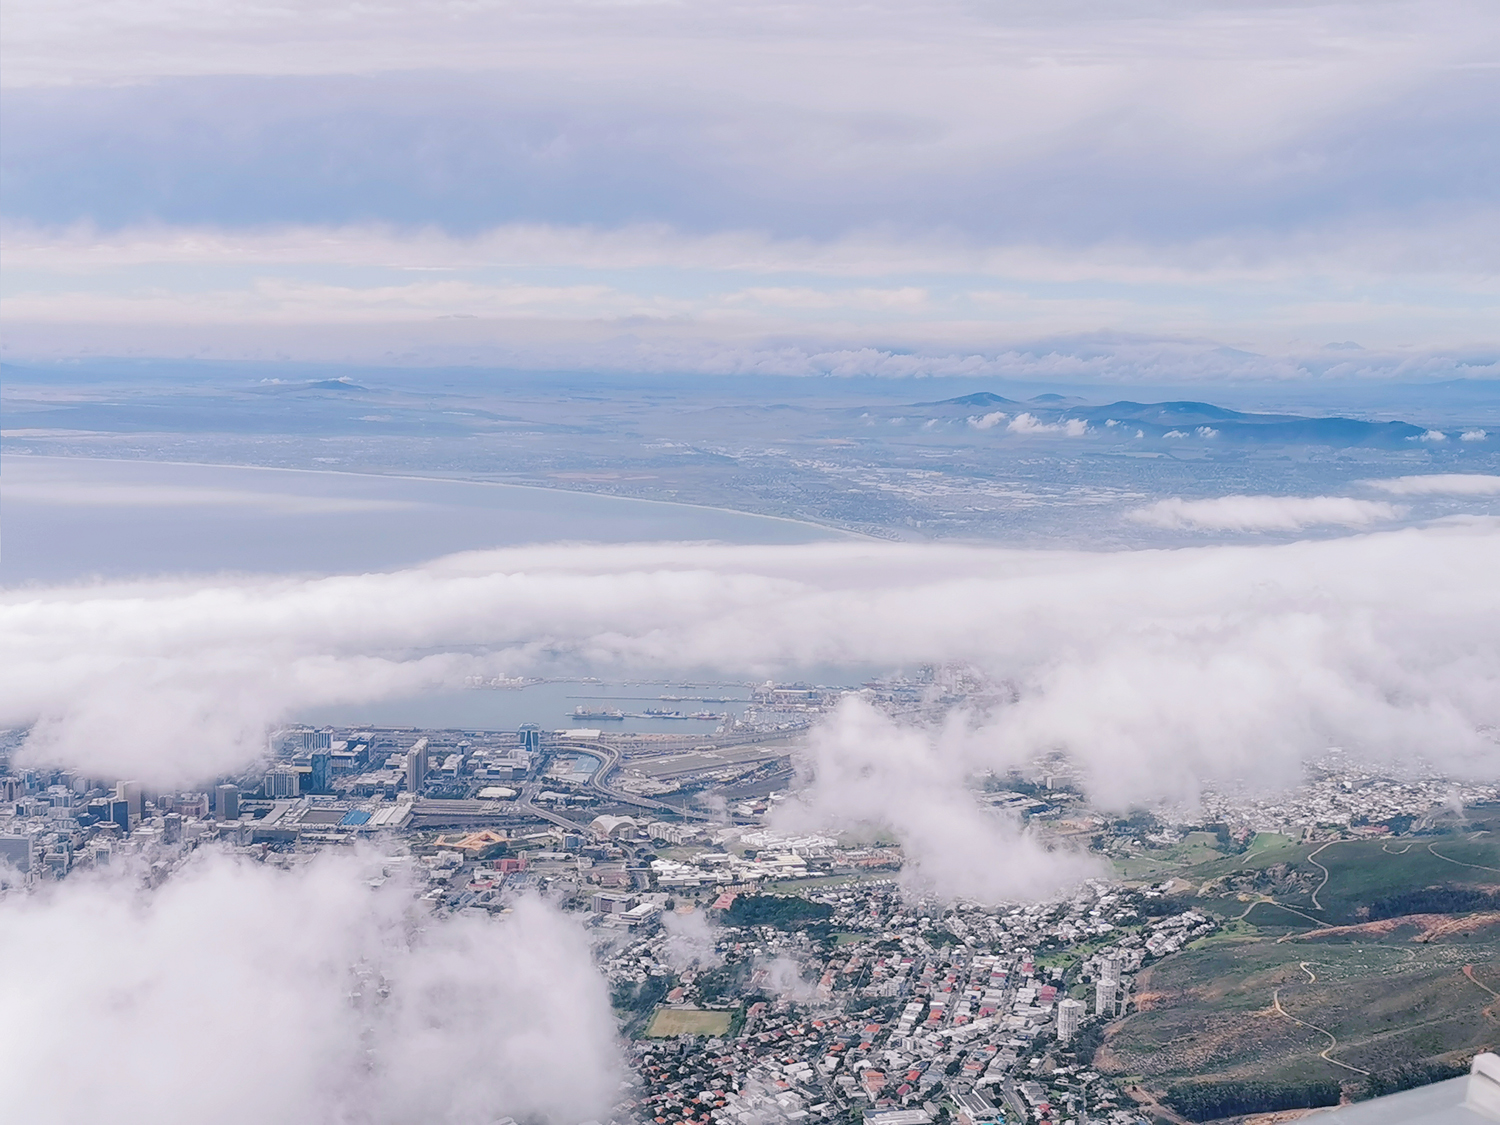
(1069, 1017)
(281, 783)
(1104, 997)
(416, 766)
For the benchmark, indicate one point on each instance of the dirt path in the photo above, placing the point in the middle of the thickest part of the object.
(1469, 972)
(1459, 862)
(1269, 901)
(1312, 977)
(1313, 859)
(1332, 1039)
(1489, 1012)
(1294, 910)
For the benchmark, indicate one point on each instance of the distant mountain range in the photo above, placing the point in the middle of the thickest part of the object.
(1163, 421)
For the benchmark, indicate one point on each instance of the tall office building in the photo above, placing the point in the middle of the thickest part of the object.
(130, 793)
(317, 780)
(317, 739)
(228, 799)
(119, 813)
(530, 738)
(416, 766)
(1069, 1017)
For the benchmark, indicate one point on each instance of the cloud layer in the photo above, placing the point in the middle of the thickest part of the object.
(1265, 513)
(235, 982)
(1153, 668)
(1087, 122)
(1441, 484)
(942, 181)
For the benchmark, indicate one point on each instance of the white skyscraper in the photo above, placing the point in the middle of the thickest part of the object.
(1069, 1016)
(416, 766)
(1104, 997)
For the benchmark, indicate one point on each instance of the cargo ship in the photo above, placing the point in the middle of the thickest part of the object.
(610, 714)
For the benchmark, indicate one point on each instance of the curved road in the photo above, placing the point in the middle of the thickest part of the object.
(609, 760)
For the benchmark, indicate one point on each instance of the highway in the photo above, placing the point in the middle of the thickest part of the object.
(609, 760)
(527, 803)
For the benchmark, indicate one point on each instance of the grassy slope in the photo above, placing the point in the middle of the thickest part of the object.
(1208, 1011)
(1389, 999)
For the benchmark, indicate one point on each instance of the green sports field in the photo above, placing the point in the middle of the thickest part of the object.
(669, 1022)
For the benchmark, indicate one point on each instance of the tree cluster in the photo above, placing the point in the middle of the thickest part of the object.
(1207, 1101)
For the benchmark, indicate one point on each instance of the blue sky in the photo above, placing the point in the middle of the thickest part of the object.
(735, 187)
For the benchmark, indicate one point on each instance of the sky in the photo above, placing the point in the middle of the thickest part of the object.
(1304, 190)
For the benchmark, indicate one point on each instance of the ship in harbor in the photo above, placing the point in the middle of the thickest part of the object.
(608, 714)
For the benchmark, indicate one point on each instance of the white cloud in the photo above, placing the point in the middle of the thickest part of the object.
(1027, 423)
(988, 421)
(692, 941)
(538, 295)
(1265, 513)
(234, 976)
(1473, 435)
(1440, 484)
(909, 298)
(783, 977)
(389, 250)
(1155, 668)
(862, 769)
(876, 140)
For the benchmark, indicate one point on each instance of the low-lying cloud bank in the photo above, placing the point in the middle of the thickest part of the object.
(863, 769)
(338, 1004)
(1154, 669)
(1265, 513)
(1441, 484)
